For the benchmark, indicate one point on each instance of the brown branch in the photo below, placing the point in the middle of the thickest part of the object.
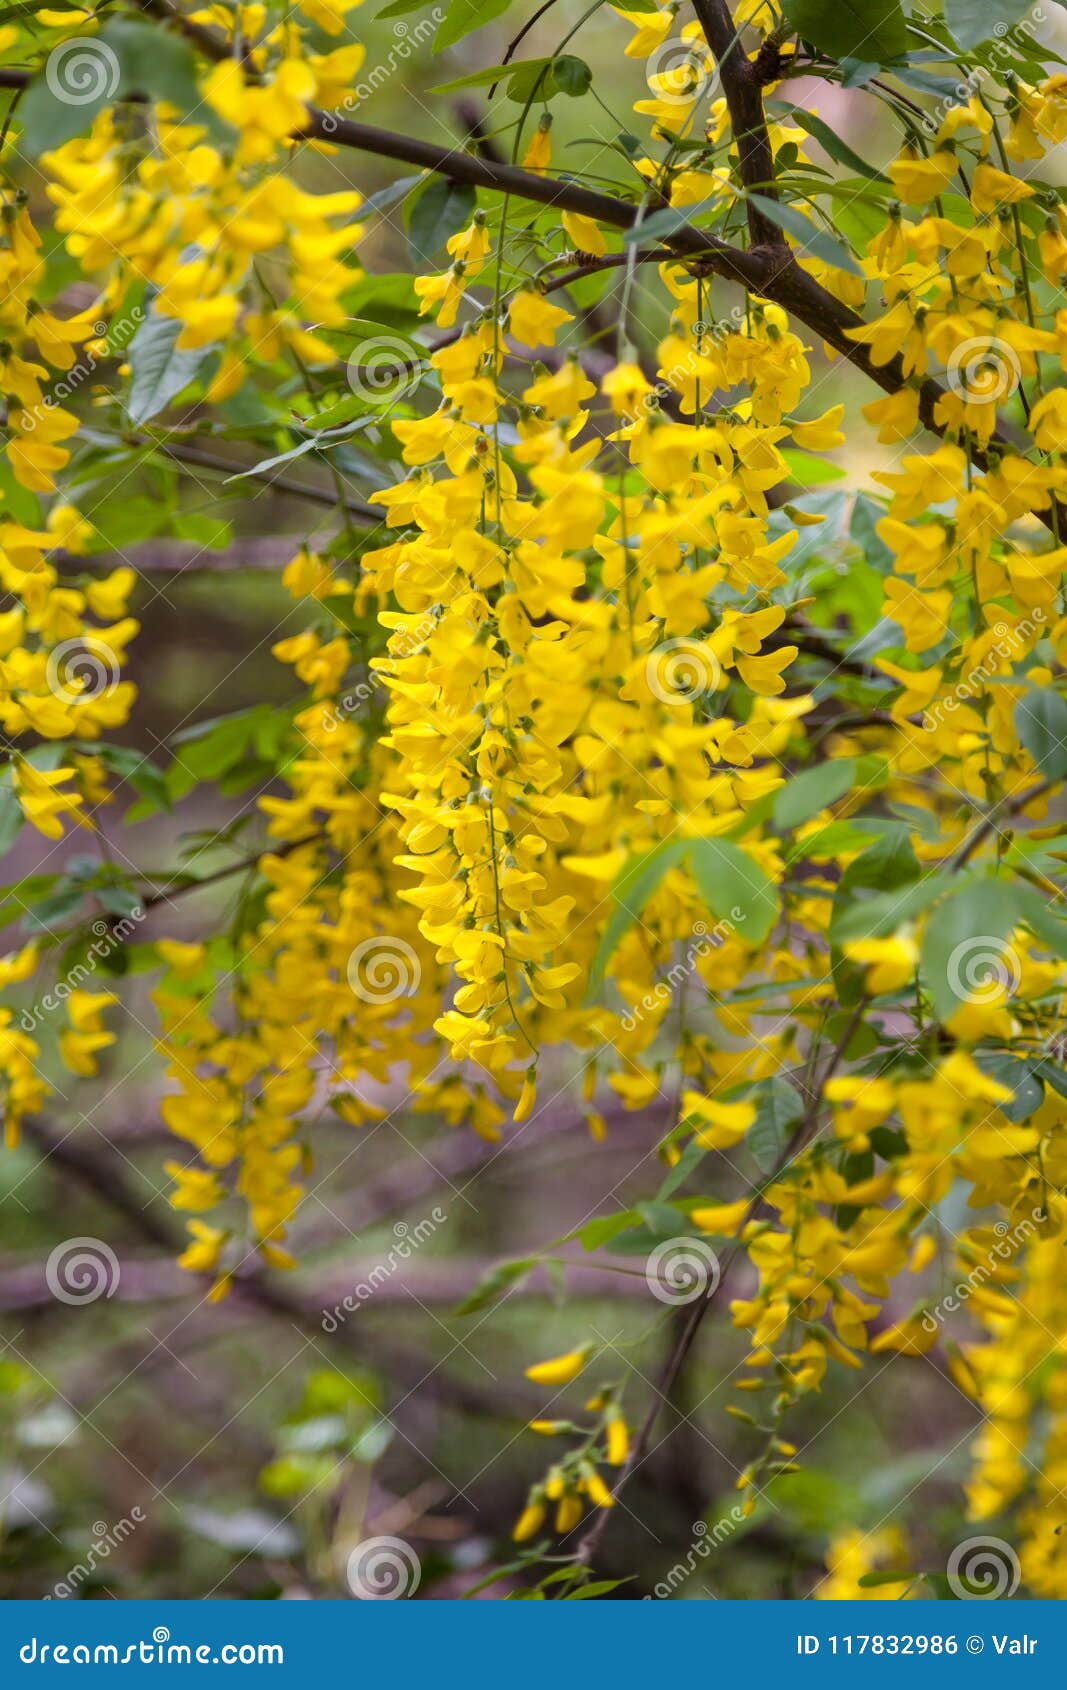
(1006, 808)
(768, 268)
(742, 85)
(24, 1286)
(665, 1384)
(199, 457)
(102, 1172)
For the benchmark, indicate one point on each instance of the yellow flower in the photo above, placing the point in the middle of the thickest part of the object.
(559, 1370)
(533, 319)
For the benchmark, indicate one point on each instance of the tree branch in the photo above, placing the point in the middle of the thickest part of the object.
(742, 86)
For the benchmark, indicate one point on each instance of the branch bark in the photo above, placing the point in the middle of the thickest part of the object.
(743, 88)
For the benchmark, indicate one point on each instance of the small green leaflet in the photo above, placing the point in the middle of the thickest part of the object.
(808, 469)
(873, 918)
(464, 16)
(832, 144)
(158, 371)
(442, 209)
(973, 21)
(671, 219)
(1021, 1079)
(855, 29)
(778, 1112)
(127, 57)
(733, 886)
(632, 890)
(496, 1284)
(809, 239)
(963, 945)
(813, 790)
(1041, 723)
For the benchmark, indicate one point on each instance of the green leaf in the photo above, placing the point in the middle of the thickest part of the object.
(1041, 723)
(571, 75)
(11, 817)
(603, 1228)
(1021, 1078)
(493, 1285)
(734, 887)
(127, 57)
(1039, 915)
(661, 1219)
(670, 220)
(599, 1587)
(964, 940)
(441, 210)
(636, 884)
(485, 78)
(687, 1163)
(973, 21)
(871, 30)
(779, 1109)
(808, 238)
(159, 372)
(834, 146)
(464, 16)
(810, 470)
(265, 464)
(813, 790)
(874, 1581)
(873, 918)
